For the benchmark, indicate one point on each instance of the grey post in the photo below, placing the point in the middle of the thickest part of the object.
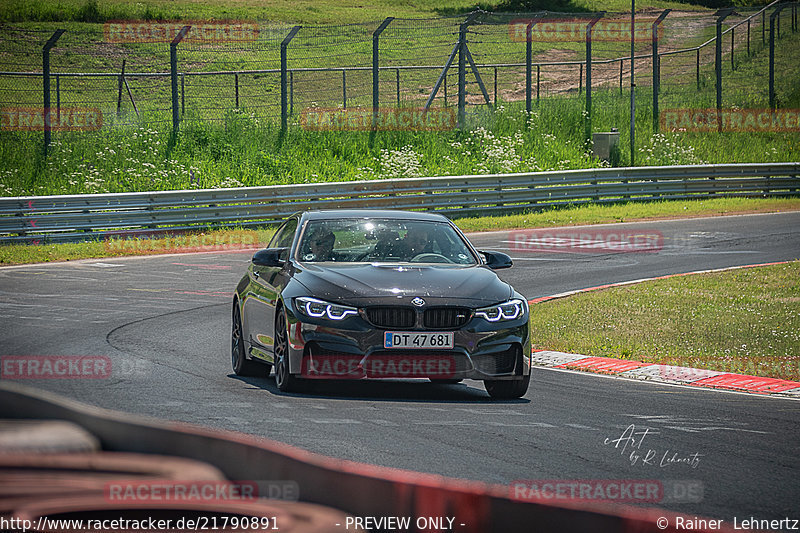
(51, 42)
(376, 96)
(775, 14)
(633, 84)
(462, 68)
(173, 67)
(657, 67)
(284, 95)
(589, 27)
(119, 89)
(528, 58)
(722, 14)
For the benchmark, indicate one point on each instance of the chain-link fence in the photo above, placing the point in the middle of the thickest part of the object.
(155, 74)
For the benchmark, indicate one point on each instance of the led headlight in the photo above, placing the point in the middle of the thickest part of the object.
(321, 309)
(510, 310)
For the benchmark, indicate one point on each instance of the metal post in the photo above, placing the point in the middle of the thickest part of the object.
(495, 87)
(183, 93)
(621, 63)
(173, 67)
(633, 84)
(588, 121)
(236, 82)
(763, 26)
(528, 58)
(58, 98)
(375, 72)
(397, 84)
(291, 92)
(657, 68)
(748, 37)
(580, 80)
(697, 75)
(119, 89)
(344, 89)
(775, 14)
(46, 84)
(722, 14)
(462, 68)
(538, 85)
(733, 65)
(284, 98)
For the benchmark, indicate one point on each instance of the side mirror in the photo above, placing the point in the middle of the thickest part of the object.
(497, 260)
(269, 257)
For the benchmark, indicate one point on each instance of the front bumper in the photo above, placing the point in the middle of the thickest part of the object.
(354, 349)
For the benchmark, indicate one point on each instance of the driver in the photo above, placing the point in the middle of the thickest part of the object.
(321, 243)
(416, 241)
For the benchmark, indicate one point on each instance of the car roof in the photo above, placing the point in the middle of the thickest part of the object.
(328, 214)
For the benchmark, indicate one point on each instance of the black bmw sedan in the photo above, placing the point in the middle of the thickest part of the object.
(355, 294)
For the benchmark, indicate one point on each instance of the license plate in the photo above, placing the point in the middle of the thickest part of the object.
(415, 340)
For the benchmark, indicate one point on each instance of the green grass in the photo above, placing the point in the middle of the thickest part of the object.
(220, 240)
(299, 11)
(677, 321)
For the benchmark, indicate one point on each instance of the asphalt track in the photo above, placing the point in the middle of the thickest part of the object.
(164, 322)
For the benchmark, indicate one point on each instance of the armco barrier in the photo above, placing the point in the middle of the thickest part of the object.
(357, 489)
(81, 217)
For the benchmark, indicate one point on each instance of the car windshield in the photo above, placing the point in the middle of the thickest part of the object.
(383, 240)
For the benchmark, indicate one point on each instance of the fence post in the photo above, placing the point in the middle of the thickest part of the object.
(697, 69)
(733, 38)
(344, 89)
(748, 37)
(183, 93)
(284, 99)
(722, 14)
(538, 73)
(58, 98)
(397, 84)
(462, 68)
(236, 83)
(657, 67)
(291, 92)
(375, 70)
(173, 68)
(51, 42)
(588, 120)
(119, 89)
(775, 14)
(528, 58)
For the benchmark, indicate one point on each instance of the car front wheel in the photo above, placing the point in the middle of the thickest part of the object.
(241, 366)
(507, 389)
(283, 379)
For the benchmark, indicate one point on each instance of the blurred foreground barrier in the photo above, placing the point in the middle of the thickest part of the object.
(341, 486)
(106, 216)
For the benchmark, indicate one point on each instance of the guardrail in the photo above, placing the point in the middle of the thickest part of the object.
(93, 216)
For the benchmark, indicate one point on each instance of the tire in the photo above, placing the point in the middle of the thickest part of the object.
(507, 389)
(241, 365)
(283, 379)
(452, 381)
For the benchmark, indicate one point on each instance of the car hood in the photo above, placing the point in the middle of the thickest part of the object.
(361, 284)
